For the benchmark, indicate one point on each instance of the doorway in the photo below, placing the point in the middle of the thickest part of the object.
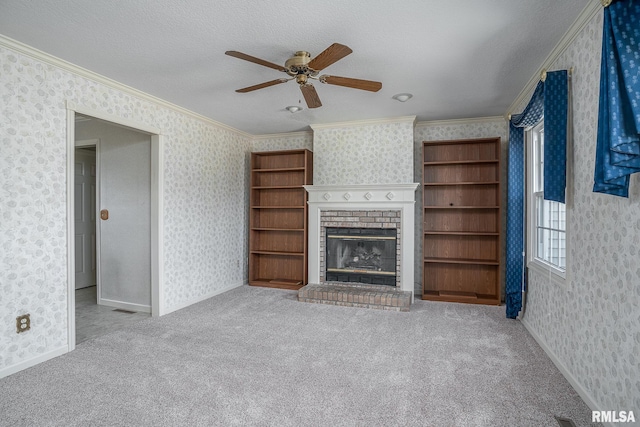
(101, 306)
(126, 284)
(84, 204)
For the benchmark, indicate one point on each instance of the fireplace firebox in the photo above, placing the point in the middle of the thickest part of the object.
(361, 255)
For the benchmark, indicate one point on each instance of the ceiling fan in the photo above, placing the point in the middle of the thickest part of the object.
(301, 67)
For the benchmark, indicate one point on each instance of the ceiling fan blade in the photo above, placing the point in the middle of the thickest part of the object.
(310, 95)
(255, 60)
(332, 54)
(353, 83)
(262, 85)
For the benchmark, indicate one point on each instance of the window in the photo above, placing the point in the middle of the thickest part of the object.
(546, 219)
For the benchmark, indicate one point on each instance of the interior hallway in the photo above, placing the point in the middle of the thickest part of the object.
(93, 320)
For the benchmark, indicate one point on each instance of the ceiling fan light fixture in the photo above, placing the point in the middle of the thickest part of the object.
(293, 108)
(402, 97)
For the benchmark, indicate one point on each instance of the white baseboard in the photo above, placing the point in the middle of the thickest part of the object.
(202, 298)
(125, 305)
(584, 394)
(5, 372)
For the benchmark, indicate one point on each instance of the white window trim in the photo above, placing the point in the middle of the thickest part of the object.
(545, 269)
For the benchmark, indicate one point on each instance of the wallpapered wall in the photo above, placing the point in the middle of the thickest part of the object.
(592, 322)
(204, 196)
(292, 141)
(378, 153)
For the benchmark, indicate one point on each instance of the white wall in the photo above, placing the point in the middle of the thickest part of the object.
(205, 209)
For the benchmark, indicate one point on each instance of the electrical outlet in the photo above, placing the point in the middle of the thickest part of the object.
(23, 323)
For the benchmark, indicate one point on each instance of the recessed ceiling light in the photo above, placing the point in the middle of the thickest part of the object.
(402, 97)
(294, 108)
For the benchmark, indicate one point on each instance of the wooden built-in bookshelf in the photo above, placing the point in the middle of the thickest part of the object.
(278, 218)
(461, 220)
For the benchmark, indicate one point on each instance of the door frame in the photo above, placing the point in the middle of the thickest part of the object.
(157, 203)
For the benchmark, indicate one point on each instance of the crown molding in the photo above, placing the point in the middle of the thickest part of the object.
(116, 120)
(594, 7)
(450, 122)
(83, 72)
(300, 134)
(457, 122)
(403, 119)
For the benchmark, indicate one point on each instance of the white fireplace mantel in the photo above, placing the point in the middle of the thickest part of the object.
(364, 197)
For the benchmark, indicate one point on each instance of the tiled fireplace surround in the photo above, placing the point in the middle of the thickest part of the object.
(362, 206)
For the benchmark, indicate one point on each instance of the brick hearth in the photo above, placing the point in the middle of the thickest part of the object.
(356, 295)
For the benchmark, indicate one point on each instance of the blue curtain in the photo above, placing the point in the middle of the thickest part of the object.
(515, 268)
(556, 108)
(515, 222)
(618, 143)
(551, 100)
(533, 111)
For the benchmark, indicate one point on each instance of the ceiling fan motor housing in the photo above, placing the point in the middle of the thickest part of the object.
(297, 64)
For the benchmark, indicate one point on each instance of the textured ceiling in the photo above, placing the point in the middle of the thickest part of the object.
(463, 59)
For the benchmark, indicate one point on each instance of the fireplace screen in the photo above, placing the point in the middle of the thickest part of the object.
(361, 255)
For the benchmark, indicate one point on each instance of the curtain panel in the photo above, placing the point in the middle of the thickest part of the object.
(534, 110)
(618, 141)
(556, 111)
(515, 259)
(551, 100)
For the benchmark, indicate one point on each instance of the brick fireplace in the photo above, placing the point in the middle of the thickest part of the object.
(380, 206)
(361, 221)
